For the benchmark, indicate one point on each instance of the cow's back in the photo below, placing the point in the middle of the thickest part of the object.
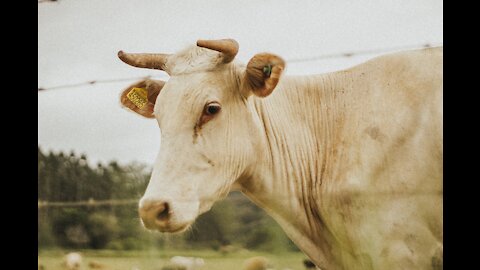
(395, 116)
(387, 210)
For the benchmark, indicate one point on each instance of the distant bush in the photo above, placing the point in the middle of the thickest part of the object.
(68, 226)
(115, 245)
(101, 228)
(132, 243)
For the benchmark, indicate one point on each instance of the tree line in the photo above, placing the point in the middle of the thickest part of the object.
(233, 222)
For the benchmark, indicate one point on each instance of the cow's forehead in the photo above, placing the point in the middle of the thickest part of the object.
(193, 59)
(188, 91)
(192, 86)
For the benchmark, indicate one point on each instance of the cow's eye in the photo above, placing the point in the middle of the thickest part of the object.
(212, 108)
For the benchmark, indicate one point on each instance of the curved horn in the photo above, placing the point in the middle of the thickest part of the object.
(229, 47)
(144, 60)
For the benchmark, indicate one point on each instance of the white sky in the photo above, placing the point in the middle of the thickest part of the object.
(78, 41)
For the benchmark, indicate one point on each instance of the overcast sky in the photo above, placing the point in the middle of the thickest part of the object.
(78, 41)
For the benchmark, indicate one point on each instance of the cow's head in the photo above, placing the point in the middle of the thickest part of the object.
(209, 128)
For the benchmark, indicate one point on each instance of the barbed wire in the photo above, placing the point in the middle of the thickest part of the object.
(95, 82)
(363, 52)
(294, 60)
(92, 202)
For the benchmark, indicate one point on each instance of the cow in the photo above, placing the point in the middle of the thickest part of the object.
(72, 261)
(189, 263)
(257, 263)
(349, 163)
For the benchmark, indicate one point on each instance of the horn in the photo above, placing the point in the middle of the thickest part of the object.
(144, 60)
(229, 47)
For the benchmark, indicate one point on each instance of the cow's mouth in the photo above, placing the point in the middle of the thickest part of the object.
(175, 229)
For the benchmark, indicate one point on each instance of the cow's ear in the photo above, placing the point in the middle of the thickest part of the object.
(262, 74)
(140, 97)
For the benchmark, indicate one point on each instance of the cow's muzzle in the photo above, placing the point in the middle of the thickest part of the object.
(158, 215)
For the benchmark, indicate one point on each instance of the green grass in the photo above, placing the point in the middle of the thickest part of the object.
(155, 259)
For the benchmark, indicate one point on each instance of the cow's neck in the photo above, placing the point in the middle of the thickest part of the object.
(301, 125)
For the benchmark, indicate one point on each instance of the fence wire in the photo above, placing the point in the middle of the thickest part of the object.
(294, 60)
(90, 202)
(93, 202)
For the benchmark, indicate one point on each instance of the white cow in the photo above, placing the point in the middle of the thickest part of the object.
(73, 261)
(190, 263)
(349, 163)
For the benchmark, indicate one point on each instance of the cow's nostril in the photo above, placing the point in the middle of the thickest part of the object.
(164, 214)
(155, 214)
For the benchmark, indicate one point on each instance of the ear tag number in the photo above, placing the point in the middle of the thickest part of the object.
(138, 96)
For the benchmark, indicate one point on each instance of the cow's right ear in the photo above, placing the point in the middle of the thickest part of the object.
(140, 97)
(262, 74)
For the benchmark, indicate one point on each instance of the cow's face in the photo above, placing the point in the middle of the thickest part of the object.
(208, 129)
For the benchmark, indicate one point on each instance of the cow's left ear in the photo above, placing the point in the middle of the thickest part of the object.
(262, 74)
(140, 97)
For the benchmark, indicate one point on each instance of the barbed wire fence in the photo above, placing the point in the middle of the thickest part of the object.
(95, 82)
(294, 60)
(90, 202)
(362, 52)
(117, 202)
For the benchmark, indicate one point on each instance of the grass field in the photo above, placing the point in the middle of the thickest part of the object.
(155, 259)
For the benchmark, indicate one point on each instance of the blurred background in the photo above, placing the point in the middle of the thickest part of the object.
(94, 158)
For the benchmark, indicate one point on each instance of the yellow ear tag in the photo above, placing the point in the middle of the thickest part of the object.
(138, 96)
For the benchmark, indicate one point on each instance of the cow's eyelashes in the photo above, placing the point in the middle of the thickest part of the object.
(212, 108)
(209, 111)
